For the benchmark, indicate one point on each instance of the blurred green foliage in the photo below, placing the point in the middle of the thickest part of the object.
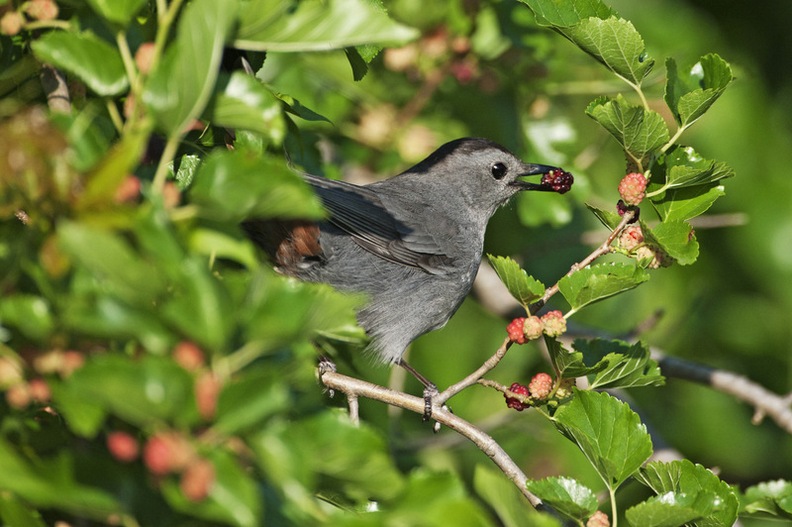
(131, 303)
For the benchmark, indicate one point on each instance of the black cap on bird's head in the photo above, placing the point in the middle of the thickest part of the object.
(494, 163)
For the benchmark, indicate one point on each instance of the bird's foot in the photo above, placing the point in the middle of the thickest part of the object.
(326, 365)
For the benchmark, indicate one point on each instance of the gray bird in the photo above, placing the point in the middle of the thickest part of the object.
(411, 243)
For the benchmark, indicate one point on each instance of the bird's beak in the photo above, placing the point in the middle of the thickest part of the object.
(530, 169)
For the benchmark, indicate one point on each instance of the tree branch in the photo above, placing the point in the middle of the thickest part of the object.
(765, 402)
(54, 84)
(358, 388)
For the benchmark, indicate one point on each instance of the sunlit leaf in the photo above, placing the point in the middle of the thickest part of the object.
(241, 185)
(615, 43)
(608, 432)
(676, 238)
(566, 495)
(317, 26)
(598, 282)
(93, 60)
(692, 90)
(638, 130)
(526, 289)
(180, 87)
(565, 14)
(683, 477)
(119, 11)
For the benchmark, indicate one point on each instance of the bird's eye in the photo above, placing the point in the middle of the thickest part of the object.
(499, 170)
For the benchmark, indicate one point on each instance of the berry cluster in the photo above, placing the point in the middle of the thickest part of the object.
(632, 241)
(166, 453)
(598, 519)
(559, 180)
(632, 188)
(170, 452)
(21, 393)
(12, 22)
(537, 391)
(523, 329)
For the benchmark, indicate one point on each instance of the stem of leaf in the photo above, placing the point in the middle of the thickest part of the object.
(614, 512)
(126, 58)
(162, 167)
(162, 7)
(48, 24)
(237, 360)
(112, 111)
(673, 140)
(657, 192)
(165, 22)
(639, 91)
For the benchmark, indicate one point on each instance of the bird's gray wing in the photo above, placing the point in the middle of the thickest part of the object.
(359, 212)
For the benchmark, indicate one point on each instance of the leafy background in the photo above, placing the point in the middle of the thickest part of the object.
(520, 85)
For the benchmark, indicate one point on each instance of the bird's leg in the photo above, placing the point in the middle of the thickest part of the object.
(430, 389)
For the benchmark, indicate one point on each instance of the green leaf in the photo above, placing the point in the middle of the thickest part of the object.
(682, 166)
(506, 500)
(29, 313)
(199, 306)
(358, 64)
(566, 495)
(179, 89)
(13, 511)
(89, 133)
(608, 432)
(213, 243)
(524, 288)
(609, 219)
(188, 166)
(615, 43)
(686, 203)
(233, 496)
(683, 477)
(109, 317)
(599, 31)
(242, 101)
(51, 483)
(317, 26)
(598, 282)
(770, 497)
(355, 457)
(620, 365)
(691, 92)
(118, 11)
(113, 264)
(570, 364)
(283, 310)
(450, 504)
(639, 131)
(93, 60)
(568, 13)
(140, 391)
(232, 186)
(250, 400)
(294, 107)
(103, 181)
(672, 509)
(676, 238)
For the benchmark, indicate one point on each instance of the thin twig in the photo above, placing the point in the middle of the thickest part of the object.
(473, 378)
(602, 250)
